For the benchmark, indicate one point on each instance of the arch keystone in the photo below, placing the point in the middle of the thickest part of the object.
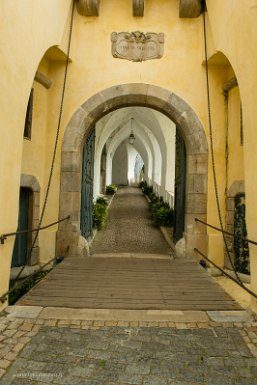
(158, 97)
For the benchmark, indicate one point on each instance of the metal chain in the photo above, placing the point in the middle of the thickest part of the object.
(212, 153)
(54, 151)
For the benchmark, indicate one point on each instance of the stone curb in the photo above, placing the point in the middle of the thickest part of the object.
(49, 313)
(16, 311)
(167, 238)
(230, 316)
(124, 315)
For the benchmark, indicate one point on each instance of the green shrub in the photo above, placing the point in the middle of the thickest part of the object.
(153, 197)
(155, 204)
(99, 215)
(162, 213)
(163, 216)
(148, 190)
(142, 184)
(111, 189)
(102, 201)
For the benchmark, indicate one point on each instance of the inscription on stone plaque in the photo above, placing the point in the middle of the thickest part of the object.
(137, 46)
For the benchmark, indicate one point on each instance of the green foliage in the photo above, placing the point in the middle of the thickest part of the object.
(162, 213)
(153, 198)
(142, 184)
(99, 215)
(102, 201)
(148, 190)
(111, 189)
(163, 216)
(157, 203)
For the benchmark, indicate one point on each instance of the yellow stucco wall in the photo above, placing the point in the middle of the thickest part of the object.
(24, 39)
(23, 43)
(234, 32)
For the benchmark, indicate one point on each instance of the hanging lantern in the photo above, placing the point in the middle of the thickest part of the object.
(131, 136)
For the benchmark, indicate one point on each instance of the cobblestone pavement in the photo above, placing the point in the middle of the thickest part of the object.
(39, 351)
(130, 227)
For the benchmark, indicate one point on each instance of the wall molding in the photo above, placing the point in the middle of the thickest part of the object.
(43, 80)
(229, 85)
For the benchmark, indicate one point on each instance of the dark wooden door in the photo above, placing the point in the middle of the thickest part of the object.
(86, 218)
(21, 240)
(180, 188)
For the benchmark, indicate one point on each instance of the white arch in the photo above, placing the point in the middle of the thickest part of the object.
(118, 139)
(147, 121)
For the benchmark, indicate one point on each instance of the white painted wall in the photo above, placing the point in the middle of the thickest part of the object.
(169, 133)
(120, 165)
(132, 155)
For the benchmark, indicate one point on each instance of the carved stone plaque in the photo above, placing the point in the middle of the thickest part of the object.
(137, 46)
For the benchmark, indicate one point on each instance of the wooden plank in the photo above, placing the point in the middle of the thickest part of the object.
(129, 283)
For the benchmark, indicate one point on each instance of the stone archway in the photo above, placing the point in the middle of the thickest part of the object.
(113, 98)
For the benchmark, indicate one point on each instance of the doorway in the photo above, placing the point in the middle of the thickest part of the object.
(23, 241)
(180, 188)
(86, 222)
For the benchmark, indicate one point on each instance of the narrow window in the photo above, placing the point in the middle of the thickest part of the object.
(28, 120)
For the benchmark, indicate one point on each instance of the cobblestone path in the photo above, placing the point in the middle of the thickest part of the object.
(37, 352)
(130, 227)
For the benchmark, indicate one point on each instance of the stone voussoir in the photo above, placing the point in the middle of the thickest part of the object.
(73, 138)
(78, 118)
(157, 97)
(71, 161)
(95, 106)
(71, 181)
